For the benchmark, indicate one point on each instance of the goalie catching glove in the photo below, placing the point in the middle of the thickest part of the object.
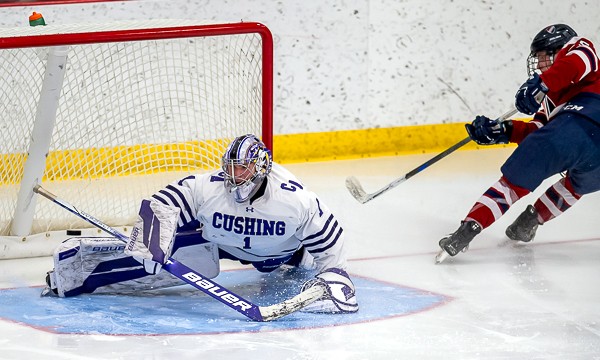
(151, 240)
(340, 295)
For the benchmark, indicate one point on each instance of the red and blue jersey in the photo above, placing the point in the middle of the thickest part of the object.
(573, 73)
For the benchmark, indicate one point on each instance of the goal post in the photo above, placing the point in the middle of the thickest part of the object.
(107, 114)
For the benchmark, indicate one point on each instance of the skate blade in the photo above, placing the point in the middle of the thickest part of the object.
(441, 256)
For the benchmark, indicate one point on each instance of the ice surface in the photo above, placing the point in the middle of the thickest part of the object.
(497, 301)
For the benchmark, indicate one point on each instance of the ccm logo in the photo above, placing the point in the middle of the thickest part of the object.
(212, 288)
(573, 107)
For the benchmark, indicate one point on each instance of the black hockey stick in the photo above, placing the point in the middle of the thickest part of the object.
(361, 195)
(207, 286)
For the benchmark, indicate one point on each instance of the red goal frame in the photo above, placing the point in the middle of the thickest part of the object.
(169, 33)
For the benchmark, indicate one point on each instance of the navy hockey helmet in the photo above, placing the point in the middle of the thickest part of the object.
(547, 43)
(246, 163)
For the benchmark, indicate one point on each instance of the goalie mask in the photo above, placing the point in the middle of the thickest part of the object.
(246, 163)
(545, 45)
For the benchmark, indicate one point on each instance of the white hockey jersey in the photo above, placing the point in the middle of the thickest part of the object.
(273, 225)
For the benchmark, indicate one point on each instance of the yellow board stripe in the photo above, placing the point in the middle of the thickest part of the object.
(354, 144)
(96, 163)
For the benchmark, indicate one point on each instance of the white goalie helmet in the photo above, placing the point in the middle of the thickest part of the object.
(246, 163)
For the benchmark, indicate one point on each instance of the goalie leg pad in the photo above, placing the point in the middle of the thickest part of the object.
(100, 266)
(84, 265)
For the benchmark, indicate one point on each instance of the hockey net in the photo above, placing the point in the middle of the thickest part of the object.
(141, 104)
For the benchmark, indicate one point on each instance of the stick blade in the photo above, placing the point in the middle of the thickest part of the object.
(356, 189)
(307, 297)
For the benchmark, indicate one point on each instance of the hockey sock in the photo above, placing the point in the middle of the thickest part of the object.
(556, 200)
(495, 202)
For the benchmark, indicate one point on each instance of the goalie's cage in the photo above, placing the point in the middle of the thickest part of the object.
(104, 115)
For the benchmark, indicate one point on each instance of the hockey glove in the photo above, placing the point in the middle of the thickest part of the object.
(486, 131)
(530, 95)
(340, 296)
(151, 240)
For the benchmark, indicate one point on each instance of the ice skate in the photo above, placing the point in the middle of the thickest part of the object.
(525, 226)
(49, 290)
(458, 241)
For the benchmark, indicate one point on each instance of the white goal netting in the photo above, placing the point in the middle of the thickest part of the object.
(141, 104)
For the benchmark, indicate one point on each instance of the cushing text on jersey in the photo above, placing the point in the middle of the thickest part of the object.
(248, 225)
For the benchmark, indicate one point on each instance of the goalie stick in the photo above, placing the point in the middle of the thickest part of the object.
(358, 192)
(207, 286)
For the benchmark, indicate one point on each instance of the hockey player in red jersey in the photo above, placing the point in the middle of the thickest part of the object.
(563, 94)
